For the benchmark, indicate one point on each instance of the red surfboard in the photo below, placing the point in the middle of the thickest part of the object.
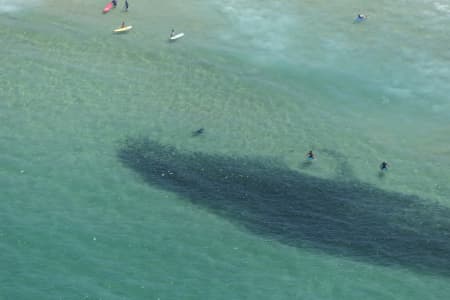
(108, 7)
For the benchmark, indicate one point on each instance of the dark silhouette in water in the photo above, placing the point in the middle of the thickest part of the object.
(347, 218)
(310, 155)
(198, 132)
(384, 166)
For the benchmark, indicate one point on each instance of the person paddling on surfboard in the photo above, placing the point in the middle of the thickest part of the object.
(384, 166)
(361, 17)
(310, 155)
(198, 132)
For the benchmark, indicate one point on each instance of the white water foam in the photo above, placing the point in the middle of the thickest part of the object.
(9, 6)
(442, 7)
(263, 28)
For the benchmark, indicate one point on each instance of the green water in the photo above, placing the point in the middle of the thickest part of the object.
(265, 79)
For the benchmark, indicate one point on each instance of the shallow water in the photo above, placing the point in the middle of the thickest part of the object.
(267, 80)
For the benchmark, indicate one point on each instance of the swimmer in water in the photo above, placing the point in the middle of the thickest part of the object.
(384, 166)
(310, 155)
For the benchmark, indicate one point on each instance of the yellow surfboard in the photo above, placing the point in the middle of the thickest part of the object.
(123, 29)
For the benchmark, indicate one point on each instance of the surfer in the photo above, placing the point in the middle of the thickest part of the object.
(310, 155)
(114, 2)
(198, 132)
(384, 166)
(361, 17)
(126, 5)
(123, 24)
(172, 33)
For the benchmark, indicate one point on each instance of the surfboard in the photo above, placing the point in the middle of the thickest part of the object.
(108, 7)
(359, 20)
(176, 36)
(123, 29)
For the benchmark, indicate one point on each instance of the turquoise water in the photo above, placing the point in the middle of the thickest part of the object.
(266, 79)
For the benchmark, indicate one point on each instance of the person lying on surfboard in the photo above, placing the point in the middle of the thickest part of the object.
(361, 17)
(198, 132)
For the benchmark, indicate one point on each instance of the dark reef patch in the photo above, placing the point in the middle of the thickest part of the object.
(342, 218)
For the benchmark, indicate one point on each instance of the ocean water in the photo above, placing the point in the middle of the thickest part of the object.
(105, 193)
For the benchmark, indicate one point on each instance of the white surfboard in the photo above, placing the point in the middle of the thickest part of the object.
(176, 36)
